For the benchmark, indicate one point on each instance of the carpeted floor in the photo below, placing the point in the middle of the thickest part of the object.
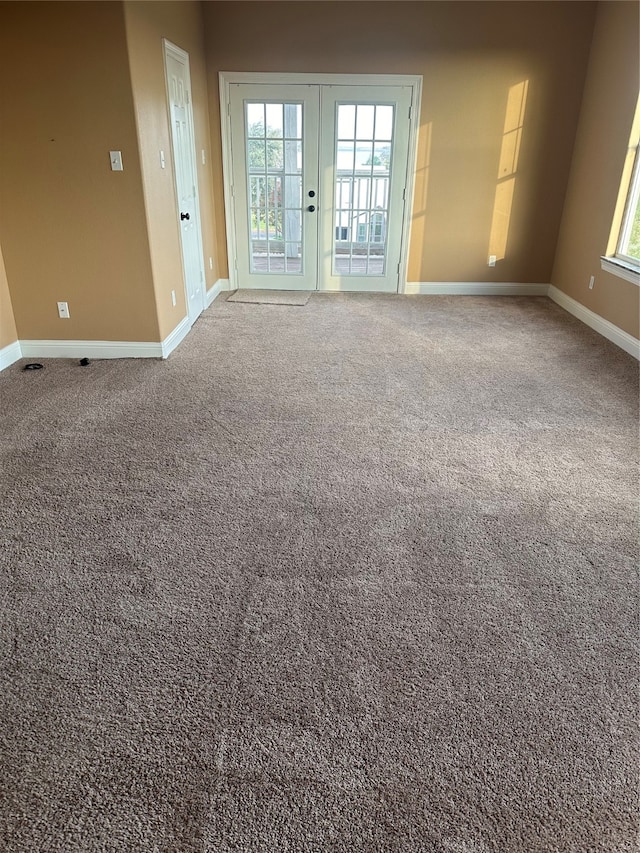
(358, 576)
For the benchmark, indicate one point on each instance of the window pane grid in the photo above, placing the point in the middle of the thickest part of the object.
(273, 132)
(363, 157)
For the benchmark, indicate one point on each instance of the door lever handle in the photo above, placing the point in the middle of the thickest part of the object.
(311, 208)
(184, 216)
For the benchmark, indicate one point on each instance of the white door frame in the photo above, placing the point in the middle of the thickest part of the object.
(170, 49)
(228, 78)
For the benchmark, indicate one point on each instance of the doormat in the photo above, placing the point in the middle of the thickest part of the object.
(271, 297)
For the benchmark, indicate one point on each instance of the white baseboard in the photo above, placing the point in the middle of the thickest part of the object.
(179, 334)
(10, 354)
(220, 285)
(90, 349)
(182, 329)
(132, 349)
(607, 329)
(475, 288)
(96, 349)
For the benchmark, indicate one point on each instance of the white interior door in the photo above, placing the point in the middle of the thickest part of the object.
(186, 178)
(318, 190)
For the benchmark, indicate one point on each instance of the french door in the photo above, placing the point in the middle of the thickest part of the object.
(318, 185)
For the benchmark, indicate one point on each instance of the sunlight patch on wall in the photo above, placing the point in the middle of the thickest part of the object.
(422, 171)
(625, 183)
(421, 188)
(507, 168)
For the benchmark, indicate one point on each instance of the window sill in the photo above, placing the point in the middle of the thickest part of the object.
(629, 272)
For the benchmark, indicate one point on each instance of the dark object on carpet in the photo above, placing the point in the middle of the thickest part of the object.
(33, 365)
(365, 583)
(85, 362)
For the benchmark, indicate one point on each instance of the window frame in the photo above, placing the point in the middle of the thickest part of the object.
(633, 199)
(616, 261)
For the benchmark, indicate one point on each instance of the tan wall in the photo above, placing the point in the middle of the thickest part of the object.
(71, 229)
(147, 24)
(475, 59)
(8, 333)
(610, 96)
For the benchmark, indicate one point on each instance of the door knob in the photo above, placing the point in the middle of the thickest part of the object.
(312, 193)
(311, 208)
(184, 216)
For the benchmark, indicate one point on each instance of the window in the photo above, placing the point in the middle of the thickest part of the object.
(629, 245)
(623, 255)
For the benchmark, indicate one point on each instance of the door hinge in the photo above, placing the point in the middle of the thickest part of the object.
(404, 194)
(398, 269)
(187, 96)
(201, 276)
(409, 113)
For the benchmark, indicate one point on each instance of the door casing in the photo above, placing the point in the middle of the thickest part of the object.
(228, 78)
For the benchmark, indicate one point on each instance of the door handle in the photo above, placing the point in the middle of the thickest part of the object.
(311, 208)
(184, 216)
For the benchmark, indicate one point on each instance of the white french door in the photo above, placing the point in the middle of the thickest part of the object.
(275, 184)
(317, 182)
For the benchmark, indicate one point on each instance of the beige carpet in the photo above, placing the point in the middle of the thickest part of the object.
(355, 578)
(270, 297)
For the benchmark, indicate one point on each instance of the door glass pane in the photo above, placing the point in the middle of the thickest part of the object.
(364, 121)
(384, 122)
(364, 142)
(275, 128)
(346, 121)
(273, 134)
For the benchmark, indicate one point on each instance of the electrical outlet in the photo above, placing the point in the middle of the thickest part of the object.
(592, 281)
(63, 310)
(492, 260)
(173, 298)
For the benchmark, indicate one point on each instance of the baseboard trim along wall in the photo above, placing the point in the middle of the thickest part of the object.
(132, 349)
(10, 354)
(475, 288)
(608, 330)
(105, 349)
(220, 285)
(171, 341)
(91, 349)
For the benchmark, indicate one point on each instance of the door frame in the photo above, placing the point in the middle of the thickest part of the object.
(180, 55)
(228, 78)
